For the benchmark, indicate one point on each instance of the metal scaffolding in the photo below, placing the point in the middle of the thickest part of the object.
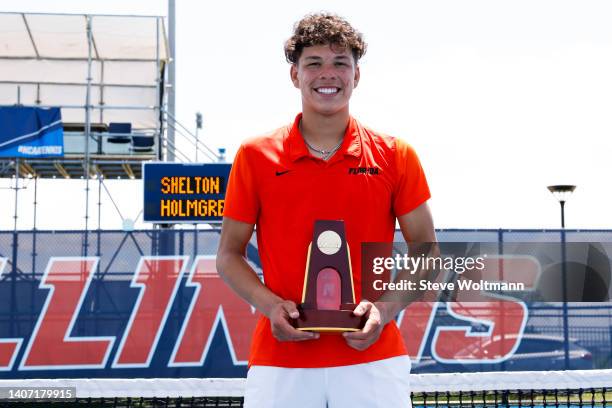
(99, 70)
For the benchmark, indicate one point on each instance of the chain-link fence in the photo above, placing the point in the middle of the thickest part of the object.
(110, 298)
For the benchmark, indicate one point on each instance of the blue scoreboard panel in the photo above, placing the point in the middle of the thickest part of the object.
(189, 193)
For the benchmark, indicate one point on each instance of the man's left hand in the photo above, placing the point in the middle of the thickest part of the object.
(376, 320)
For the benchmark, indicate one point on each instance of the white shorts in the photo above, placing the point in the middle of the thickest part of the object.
(382, 383)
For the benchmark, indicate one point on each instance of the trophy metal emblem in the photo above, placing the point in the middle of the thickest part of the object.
(328, 297)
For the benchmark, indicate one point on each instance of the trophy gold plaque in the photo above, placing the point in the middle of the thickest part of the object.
(328, 297)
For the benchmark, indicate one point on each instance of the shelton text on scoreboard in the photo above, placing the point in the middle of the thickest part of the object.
(178, 192)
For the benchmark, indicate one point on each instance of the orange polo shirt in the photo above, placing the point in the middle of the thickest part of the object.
(277, 184)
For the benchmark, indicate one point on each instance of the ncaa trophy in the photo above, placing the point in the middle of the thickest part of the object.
(328, 297)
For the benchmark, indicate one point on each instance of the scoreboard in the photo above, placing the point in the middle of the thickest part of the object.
(179, 192)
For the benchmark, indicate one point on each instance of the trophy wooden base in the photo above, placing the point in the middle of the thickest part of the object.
(329, 320)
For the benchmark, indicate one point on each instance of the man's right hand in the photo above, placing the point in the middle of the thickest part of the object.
(282, 329)
(237, 273)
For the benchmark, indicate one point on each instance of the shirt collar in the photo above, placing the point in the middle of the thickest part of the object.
(351, 144)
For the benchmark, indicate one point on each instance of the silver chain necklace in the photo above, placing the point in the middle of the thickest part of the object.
(325, 154)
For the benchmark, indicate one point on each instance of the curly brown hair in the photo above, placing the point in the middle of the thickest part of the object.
(321, 29)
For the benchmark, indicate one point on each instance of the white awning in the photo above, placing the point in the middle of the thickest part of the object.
(46, 57)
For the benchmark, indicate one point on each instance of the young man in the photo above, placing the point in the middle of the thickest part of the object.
(311, 170)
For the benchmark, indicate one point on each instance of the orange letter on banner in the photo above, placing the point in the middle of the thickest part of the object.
(8, 352)
(51, 345)
(213, 303)
(414, 325)
(158, 279)
(504, 316)
(8, 347)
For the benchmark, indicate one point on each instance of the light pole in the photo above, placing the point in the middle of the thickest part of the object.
(198, 127)
(562, 193)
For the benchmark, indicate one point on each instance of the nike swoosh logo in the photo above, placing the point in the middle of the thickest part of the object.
(280, 173)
